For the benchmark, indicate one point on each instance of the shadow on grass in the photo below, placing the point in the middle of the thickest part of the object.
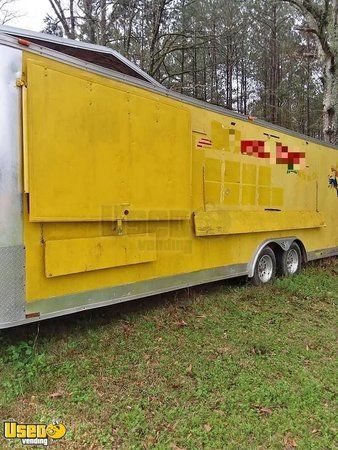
(74, 324)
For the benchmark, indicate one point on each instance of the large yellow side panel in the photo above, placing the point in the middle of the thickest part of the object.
(96, 151)
(106, 162)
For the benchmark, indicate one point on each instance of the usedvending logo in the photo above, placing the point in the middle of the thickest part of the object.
(34, 433)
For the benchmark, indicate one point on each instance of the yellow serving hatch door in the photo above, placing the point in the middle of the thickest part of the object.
(68, 256)
(95, 144)
(213, 223)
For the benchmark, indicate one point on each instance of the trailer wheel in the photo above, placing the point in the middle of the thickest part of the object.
(290, 261)
(265, 268)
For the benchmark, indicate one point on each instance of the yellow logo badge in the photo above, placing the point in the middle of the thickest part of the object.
(34, 433)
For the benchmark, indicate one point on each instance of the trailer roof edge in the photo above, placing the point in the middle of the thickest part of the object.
(8, 39)
(99, 49)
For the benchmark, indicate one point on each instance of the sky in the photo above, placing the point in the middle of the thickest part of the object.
(32, 13)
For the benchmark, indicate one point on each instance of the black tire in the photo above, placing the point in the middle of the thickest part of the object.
(262, 273)
(290, 262)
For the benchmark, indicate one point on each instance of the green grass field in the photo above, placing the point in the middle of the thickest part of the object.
(222, 366)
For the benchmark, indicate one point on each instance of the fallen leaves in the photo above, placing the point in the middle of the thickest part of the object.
(263, 411)
(289, 442)
(127, 327)
(57, 394)
(181, 323)
(201, 316)
(189, 369)
(222, 350)
(175, 447)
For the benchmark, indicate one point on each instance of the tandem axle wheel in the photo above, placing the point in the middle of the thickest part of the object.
(270, 263)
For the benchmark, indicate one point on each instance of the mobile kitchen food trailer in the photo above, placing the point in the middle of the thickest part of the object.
(114, 188)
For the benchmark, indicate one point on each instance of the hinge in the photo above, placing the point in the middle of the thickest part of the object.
(119, 227)
(20, 82)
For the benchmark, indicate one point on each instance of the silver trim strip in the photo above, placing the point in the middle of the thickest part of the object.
(324, 253)
(12, 253)
(11, 222)
(69, 304)
(63, 305)
(33, 48)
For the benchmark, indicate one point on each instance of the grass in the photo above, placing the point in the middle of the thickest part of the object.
(222, 366)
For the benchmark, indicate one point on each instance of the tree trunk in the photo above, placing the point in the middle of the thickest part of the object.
(274, 67)
(322, 21)
(60, 14)
(157, 18)
(103, 22)
(330, 100)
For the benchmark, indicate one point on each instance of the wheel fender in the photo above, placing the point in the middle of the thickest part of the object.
(284, 244)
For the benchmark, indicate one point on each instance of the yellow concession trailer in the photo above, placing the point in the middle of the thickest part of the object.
(114, 188)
